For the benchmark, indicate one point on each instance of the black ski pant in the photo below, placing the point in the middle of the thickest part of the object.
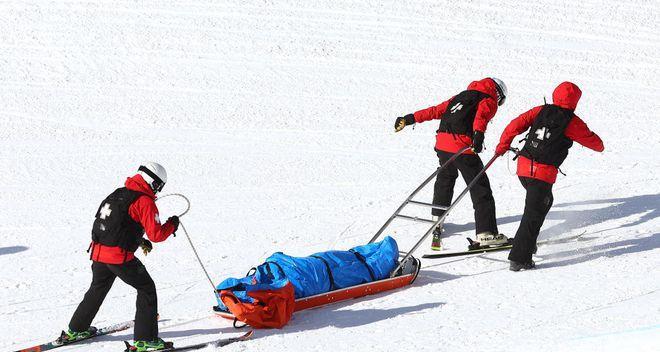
(537, 205)
(134, 274)
(482, 196)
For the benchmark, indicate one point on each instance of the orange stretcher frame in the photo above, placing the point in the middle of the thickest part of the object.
(366, 289)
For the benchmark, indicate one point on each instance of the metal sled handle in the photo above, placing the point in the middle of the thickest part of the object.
(442, 218)
(414, 193)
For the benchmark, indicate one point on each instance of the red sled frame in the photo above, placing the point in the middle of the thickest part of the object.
(406, 276)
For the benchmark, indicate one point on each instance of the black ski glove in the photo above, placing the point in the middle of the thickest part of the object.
(478, 142)
(404, 121)
(146, 246)
(174, 220)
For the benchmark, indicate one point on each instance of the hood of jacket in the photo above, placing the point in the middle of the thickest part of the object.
(566, 95)
(138, 184)
(486, 86)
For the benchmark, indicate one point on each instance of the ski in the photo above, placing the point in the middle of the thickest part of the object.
(59, 342)
(468, 252)
(478, 250)
(214, 343)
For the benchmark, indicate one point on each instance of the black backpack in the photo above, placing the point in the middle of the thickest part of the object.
(113, 225)
(460, 114)
(546, 142)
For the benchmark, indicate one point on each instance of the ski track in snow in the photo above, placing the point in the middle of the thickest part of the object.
(275, 119)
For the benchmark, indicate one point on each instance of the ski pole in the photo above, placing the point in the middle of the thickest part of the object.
(199, 260)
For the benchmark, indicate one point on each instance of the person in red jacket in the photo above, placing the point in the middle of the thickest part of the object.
(463, 121)
(552, 130)
(121, 221)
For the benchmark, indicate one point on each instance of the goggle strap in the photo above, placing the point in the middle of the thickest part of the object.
(500, 93)
(158, 183)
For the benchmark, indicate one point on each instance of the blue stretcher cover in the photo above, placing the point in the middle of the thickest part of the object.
(317, 273)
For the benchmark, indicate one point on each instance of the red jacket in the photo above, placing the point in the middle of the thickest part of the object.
(144, 211)
(566, 95)
(485, 112)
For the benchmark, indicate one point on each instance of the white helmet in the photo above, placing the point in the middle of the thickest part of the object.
(501, 90)
(154, 174)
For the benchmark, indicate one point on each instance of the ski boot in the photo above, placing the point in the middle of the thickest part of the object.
(143, 346)
(517, 266)
(489, 239)
(69, 335)
(436, 242)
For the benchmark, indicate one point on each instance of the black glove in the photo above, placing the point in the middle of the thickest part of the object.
(174, 220)
(146, 246)
(478, 142)
(402, 122)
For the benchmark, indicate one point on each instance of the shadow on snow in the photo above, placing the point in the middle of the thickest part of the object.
(647, 206)
(169, 334)
(335, 316)
(12, 250)
(613, 249)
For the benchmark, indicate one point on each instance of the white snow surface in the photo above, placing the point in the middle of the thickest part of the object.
(276, 119)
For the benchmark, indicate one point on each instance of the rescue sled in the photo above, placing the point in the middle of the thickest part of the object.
(273, 291)
(405, 277)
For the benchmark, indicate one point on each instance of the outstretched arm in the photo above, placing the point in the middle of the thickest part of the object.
(517, 126)
(578, 131)
(433, 112)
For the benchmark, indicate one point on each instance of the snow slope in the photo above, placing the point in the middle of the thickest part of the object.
(275, 118)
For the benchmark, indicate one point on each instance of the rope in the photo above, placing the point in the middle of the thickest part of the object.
(178, 195)
(199, 260)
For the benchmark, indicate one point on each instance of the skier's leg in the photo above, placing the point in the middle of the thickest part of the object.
(482, 196)
(546, 200)
(537, 204)
(444, 183)
(135, 274)
(102, 279)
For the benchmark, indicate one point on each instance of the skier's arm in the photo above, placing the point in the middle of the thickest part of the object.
(516, 127)
(578, 131)
(485, 112)
(144, 211)
(433, 112)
